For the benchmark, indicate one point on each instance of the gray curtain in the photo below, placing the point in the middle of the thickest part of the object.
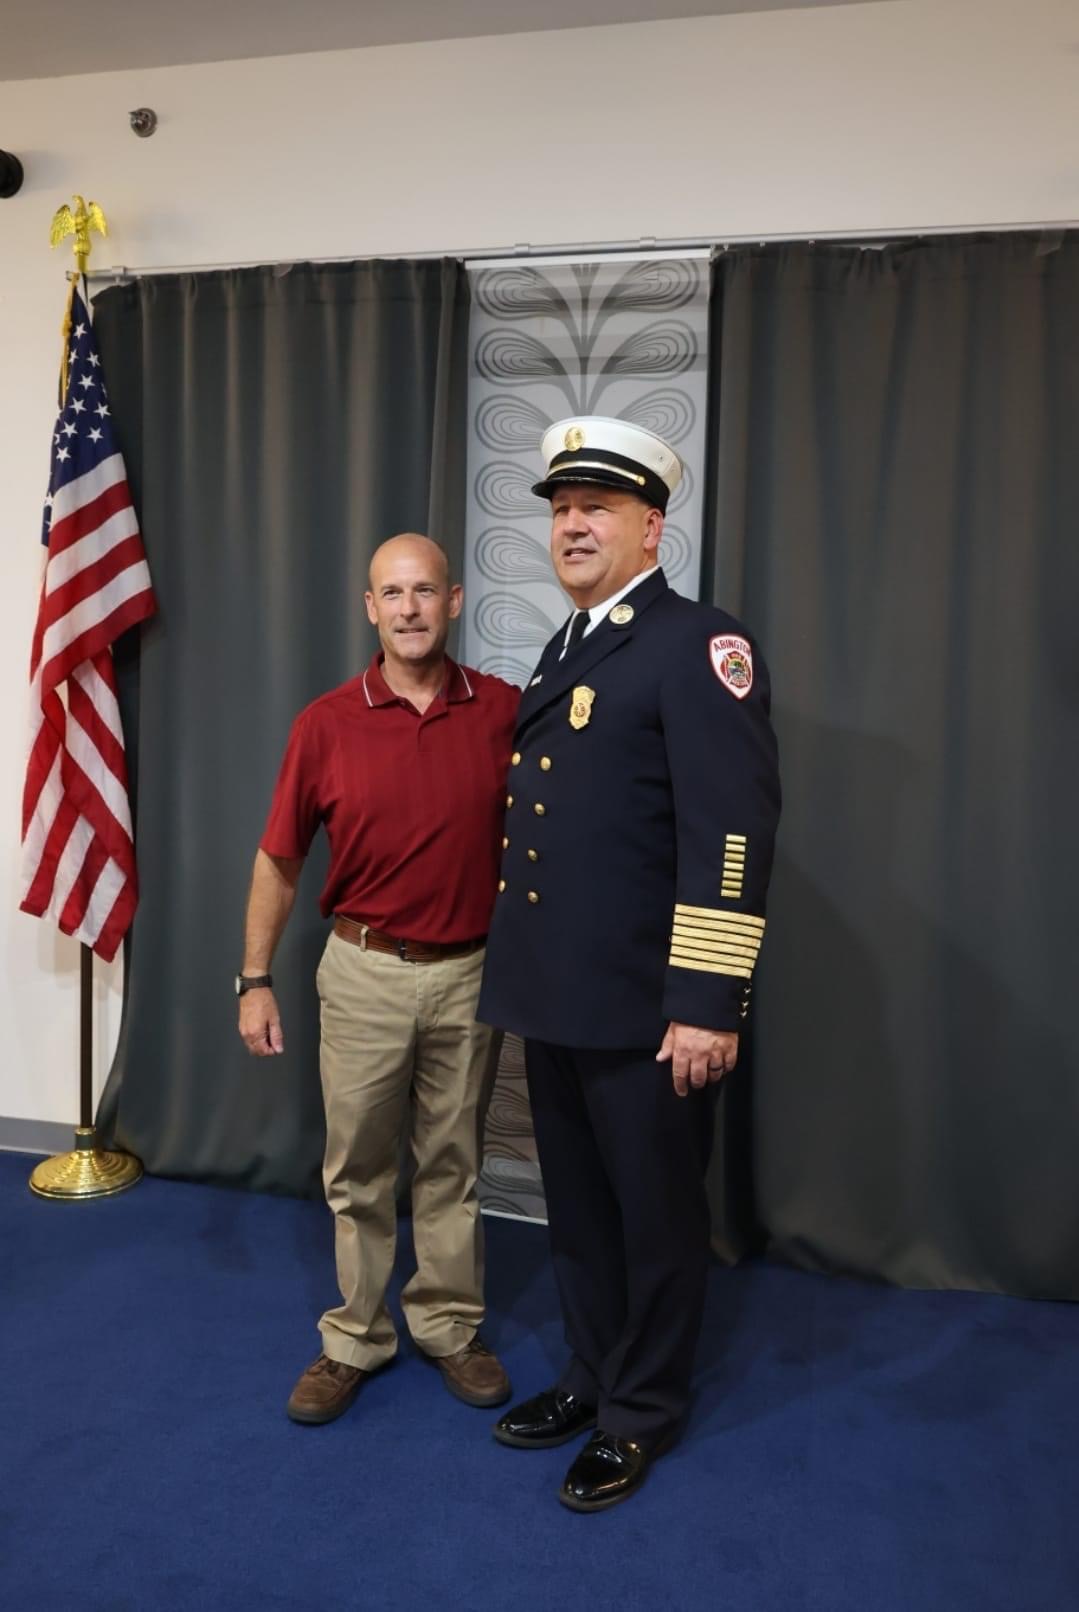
(895, 506)
(278, 424)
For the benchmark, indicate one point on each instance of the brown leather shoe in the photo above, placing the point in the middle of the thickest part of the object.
(474, 1374)
(326, 1389)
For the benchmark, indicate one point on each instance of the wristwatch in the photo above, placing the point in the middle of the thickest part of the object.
(252, 982)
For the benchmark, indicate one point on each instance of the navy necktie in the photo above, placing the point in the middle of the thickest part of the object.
(576, 630)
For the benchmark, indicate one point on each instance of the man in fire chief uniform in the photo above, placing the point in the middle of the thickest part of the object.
(642, 806)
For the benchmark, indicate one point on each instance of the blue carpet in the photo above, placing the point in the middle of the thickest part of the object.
(853, 1446)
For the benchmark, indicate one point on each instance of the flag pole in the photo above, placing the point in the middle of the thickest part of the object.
(88, 1171)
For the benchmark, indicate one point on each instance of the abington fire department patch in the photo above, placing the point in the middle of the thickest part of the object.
(732, 662)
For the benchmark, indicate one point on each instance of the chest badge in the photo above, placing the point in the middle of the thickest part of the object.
(580, 711)
(622, 615)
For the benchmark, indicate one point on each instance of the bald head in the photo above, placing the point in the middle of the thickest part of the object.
(411, 547)
(411, 601)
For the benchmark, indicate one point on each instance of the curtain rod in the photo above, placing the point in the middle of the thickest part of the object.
(644, 244)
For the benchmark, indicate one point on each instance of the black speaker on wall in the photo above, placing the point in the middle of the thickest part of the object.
(10, 174)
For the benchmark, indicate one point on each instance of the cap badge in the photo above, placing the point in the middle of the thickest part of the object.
(621, 615)
(580, 711)
(574, 439)
(732, 662)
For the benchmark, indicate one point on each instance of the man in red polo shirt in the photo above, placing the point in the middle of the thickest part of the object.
(405, 767)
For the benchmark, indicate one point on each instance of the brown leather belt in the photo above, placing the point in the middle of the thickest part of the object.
(409, 951)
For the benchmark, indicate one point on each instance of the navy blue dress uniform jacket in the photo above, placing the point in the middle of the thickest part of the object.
(641, 811)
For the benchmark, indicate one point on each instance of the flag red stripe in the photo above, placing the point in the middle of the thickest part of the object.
(91, 579)
(118, 922)
(88, 517)
(101, 736)
(75, 906)
(38, 896)
(42, 755)
(92, 806)
(97, 638)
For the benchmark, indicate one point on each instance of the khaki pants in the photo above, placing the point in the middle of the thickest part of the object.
(395, 1033)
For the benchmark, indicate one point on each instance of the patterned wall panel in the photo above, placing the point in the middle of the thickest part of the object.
(624, 337)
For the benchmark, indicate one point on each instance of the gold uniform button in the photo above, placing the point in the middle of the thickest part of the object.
(501, 885)
(533, 897)
(505, 843)
(533, 856)
(509, 800)
(540, 809)
(516, 758)
(545, 763)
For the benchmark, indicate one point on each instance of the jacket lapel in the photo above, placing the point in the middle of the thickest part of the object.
(557, 677)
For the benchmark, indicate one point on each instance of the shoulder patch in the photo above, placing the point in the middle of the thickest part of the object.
(732, 662)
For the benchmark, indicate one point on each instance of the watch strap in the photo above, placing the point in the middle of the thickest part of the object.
(252, 982)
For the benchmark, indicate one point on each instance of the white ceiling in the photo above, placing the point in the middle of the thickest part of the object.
(46, 38)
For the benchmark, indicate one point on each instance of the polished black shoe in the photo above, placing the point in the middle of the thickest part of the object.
(551, 1418)
(607, 1471)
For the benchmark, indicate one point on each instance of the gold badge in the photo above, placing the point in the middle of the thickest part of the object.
(574, 439)
(621, 614)
(580, 711)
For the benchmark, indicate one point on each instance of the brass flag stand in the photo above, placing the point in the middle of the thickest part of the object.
(88, 1171)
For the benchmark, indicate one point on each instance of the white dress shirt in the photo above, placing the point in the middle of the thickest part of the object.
(601, 611)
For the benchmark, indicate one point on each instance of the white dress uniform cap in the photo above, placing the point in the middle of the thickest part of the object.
(614, 453)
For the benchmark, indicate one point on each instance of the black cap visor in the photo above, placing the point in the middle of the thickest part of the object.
(606, 470)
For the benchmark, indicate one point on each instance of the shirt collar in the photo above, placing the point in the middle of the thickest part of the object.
(597, 612)
(457, 685)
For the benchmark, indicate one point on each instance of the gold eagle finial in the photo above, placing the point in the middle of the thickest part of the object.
(78, 223)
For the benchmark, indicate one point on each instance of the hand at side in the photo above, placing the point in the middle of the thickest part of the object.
(697, 1056)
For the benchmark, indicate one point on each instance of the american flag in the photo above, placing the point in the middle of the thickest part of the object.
(78, 852)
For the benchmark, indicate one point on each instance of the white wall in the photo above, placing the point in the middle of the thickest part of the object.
(905, 115)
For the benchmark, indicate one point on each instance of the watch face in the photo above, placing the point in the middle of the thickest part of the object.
(239, 986)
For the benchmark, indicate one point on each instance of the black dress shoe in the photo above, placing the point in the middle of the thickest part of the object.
(551, 1418)
(607, 1471)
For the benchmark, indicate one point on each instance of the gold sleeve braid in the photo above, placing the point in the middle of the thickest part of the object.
(734, 866)
(714, 941)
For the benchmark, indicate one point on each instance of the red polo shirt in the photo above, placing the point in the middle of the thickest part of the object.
(412, 805)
